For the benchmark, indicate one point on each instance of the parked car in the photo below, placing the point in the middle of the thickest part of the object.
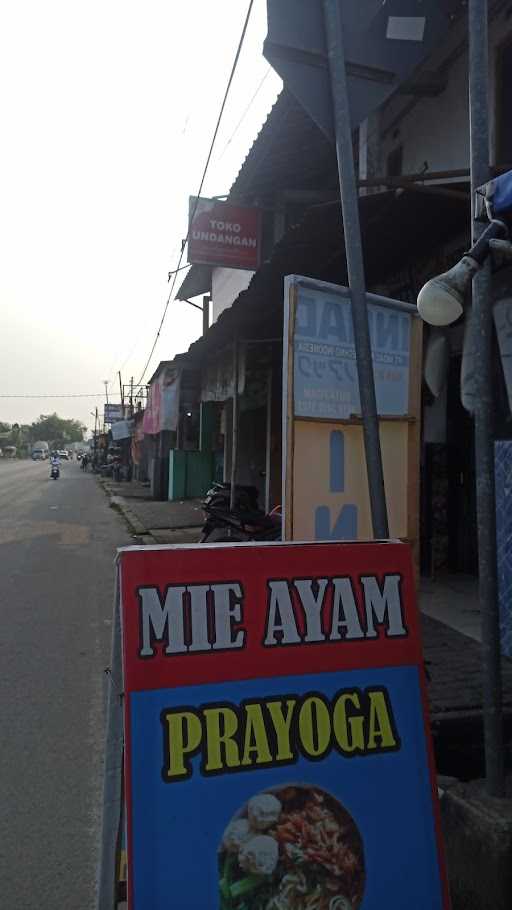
(63, 455)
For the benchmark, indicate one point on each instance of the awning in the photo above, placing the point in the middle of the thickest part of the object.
(398, 228)
(198, 280)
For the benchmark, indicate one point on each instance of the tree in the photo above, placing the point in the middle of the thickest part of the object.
(57, 431)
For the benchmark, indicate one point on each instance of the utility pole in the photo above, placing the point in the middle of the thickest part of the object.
(355, 265)
(105, 383)
(131, 397)
(482, 329)
(121, 390)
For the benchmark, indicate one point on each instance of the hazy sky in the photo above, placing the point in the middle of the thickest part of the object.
(107, 109)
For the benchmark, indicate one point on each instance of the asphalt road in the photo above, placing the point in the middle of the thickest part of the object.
(57, 546)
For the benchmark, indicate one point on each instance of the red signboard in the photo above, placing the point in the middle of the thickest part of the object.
(277, 745)
(224, 235)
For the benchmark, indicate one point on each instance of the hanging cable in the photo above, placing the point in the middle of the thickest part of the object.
(244, 114)
(178, 267)
(80, 395)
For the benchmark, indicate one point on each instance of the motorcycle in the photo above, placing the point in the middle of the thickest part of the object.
(55, 472)
(245, 522)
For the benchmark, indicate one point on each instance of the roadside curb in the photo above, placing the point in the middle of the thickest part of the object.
(133, 522)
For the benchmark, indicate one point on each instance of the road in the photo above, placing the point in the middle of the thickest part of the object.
(57, 545)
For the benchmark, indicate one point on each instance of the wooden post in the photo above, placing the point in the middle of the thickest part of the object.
(268, 451)
(234, 428)
(206, 314)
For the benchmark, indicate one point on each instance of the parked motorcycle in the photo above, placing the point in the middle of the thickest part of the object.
(219, 496)
(245, 522)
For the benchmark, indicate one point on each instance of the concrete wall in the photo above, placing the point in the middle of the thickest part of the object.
(435, 129)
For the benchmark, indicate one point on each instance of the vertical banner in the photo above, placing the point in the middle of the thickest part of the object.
(503, 477)
(277, 746)
(325, 487)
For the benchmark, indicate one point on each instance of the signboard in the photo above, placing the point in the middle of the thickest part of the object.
(325, 485)
(325, 370)
(332, 500)
(122, 429)
(277, 748)
(384, 43)
(221, 234)
(112, 412)
(503, 476)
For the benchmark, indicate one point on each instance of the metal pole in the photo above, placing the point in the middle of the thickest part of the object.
(206, 313)
(484, 449)
(121, 390)
(355, 266)
(234, 436)
(113, 773)
(268, 451)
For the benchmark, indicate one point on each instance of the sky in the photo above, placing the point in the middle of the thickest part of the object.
(107, 111)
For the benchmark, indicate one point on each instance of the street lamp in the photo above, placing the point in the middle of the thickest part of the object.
(440, 303)
(441, 300)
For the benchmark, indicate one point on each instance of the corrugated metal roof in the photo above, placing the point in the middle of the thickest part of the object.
(289, 152)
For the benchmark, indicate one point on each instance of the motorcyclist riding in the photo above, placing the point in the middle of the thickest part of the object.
(54, 466)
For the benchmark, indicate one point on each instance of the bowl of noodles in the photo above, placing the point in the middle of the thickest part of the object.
(291, 848)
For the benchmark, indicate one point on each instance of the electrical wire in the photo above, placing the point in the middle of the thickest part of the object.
(80, 395)
(245, 112)
(223, 105)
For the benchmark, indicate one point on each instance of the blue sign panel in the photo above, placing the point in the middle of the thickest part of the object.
(325, 825)
(503, 473)
(277, 748)
(325, 370)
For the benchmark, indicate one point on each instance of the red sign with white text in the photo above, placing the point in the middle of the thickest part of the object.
(277, 743)
(224, 235)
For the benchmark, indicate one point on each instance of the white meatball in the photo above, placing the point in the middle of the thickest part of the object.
(236, 835)
(259, 855)
(264, 811)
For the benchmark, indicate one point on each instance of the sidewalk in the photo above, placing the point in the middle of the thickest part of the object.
(453, 600)
(155, 522)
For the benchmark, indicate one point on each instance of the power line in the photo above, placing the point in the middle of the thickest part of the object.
(80, 395)
(178, 269)
(244, 114)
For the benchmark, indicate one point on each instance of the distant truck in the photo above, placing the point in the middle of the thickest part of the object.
(40, 451)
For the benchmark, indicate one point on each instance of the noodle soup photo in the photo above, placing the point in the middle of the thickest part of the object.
(291, 848)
